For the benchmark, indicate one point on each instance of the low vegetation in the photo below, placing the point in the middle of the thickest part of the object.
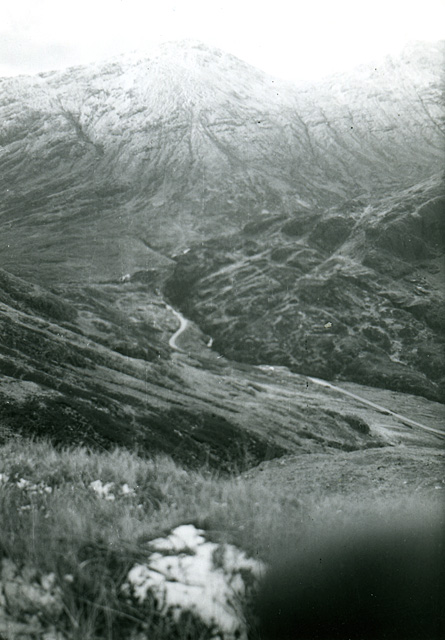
(86, 517)
(346, 296)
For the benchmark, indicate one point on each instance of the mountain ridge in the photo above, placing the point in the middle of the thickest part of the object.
(138, 154)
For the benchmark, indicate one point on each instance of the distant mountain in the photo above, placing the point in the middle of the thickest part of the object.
(298, 226)
(103, 168)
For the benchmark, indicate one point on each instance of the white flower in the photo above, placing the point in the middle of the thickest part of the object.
(103, 490)
(127, 491)
(23, 484)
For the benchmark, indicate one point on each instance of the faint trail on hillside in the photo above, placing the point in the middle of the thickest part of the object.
(184, 323)
(328, 385)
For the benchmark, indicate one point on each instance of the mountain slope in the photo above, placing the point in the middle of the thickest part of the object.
(298, 226)
(96, 369)
(356, 295)
(192, 143)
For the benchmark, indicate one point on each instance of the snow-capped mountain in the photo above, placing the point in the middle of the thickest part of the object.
(98, 162)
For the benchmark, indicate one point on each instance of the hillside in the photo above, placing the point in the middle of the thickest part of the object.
(353, 294)
(221, 311)
(297, 226)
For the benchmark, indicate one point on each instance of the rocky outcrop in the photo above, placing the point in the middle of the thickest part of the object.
(187, 581)
(192, 581)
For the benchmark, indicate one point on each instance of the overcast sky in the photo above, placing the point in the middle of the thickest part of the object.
(292, 39)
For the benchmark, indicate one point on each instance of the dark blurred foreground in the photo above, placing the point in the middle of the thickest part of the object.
(367, 581)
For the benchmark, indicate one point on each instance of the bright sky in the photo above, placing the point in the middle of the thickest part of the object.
(292, 39)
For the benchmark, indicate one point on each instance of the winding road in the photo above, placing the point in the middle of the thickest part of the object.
(184, 324)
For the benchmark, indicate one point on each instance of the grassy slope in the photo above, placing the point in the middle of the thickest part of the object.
(77, 345)
(91, 365)
(73, 531)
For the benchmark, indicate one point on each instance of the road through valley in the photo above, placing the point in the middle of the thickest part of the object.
(184, 324)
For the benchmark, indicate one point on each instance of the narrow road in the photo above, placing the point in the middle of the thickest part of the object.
(183, 324)
(328, 385)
